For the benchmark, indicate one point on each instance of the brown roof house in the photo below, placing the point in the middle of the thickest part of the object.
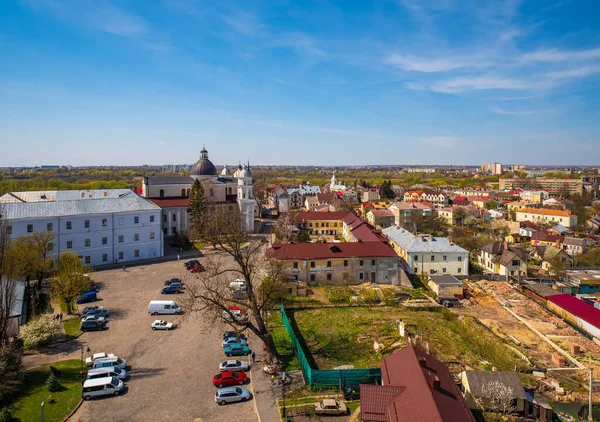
(494, 391)
(502, 259)
(381, 218)
(416, 388)
(551, 256)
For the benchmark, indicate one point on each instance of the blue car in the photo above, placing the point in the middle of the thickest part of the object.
(170, 290)
(87, 297)
(233, 340)
(236, 349)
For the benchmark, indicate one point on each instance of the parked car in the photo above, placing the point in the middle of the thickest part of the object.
(110, 361)
(166, 307)
(92, 317)
(91, 309)
(173, 280)
(238, 314)
(227, 378)
(233, 365)
(233, 340)
(198, 268)
(109, 386)
(192, 263)
(89, 361)
(93, 326)
(161, 324)
(236, 349)
(107, 372)
(228, 334)
(351, 392)
(239, 284)
(87, 297)
(97, 313)
(172, 289)
(231, 395)
(330, 407)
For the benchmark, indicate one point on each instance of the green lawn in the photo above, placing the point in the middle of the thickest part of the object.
(71, 327)
(27, 405)
(282, 342)
(200, 245)
(345, 336)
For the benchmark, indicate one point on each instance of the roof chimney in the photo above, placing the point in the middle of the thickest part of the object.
(506, 245)
(423, 361)
(435, 383)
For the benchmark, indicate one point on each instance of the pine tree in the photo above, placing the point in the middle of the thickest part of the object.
(197, 207)
(52, 384)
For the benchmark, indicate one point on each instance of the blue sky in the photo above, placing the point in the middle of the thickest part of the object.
(346, 82)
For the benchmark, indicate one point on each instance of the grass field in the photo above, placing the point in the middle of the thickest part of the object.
(71, 327)
(282, 342)
(56, 405)
(345, 336)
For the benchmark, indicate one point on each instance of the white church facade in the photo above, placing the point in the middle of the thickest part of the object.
(171, 194)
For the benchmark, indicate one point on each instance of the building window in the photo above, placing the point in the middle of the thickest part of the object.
(165, 230)
(329, 277)
(105, 240)
(444, 258)
(152, 235)
(460, 259)
(328, 264)
(121, 255)
(30, 228)
(460, 270)
(104, 222)
(361, 276)
(136, 220)
(49, 227)
(87, 259)
(515, 262)
(416, 258)
(161, 193)
(136, 253)
(50, 247)
(345, 262)
(87, 242)
(121, 238)
(312, 264)
(174, 217)
(87, 224)
(9, 229)
(444, 270)
(373, 262)
(152, 219)
(120, 221)
(432, 258)
(295, 264)
(312, 277)
(69, 244)
(182, 192)
(136, 237)
(104, 257)
(360, 263)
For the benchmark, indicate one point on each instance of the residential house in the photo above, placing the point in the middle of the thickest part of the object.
(479, 201)
(518, 205)
(574, 246)
(370, 195)
(478, 388)
(460, 200)
(446, 286)
(534, 196)
(558, 203)
(405, 211)
(338, 263)
(326, 198)
(502, 259)
(552, 186)
(544, 238)
(296, 200)
(577, 312)
(582, 281)
(311, 203)
(495, 214)
(527, 228)
(326, 225)
(426, 254)
(350, 197)
(594, 224)
(437, 199)
(551, 256)
(559, 229)
(415, 387)
(546, 216)
(381, 218)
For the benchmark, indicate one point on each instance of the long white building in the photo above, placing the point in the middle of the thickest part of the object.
(100, 226)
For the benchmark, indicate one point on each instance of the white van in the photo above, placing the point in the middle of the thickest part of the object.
(109, 371)
(109, 362)
(108, 386)
(167, 307)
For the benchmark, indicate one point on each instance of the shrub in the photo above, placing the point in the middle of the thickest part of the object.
(52, 383)
(11, 375)
(369, 295)
(40, 331)
(6, 415)
(339, 295)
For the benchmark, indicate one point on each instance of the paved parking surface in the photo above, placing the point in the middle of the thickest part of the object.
(170, 374)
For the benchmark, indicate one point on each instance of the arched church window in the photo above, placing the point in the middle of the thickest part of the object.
(161, 193)
(182, 192)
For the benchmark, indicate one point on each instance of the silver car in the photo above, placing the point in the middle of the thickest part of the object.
(231, 395)
(233, 365)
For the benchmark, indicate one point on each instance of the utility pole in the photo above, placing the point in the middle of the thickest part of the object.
(590, 419)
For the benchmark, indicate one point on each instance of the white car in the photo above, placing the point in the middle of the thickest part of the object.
(89, 361)
(92, 318)
(233, 365)
(161, 324)
(239, 284)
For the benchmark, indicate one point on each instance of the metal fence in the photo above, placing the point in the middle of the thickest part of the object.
(326, 378)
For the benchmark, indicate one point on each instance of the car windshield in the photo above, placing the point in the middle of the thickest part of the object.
(238, 390)
(114, 381)
(119, 360)
(218, 376)
(235, 374)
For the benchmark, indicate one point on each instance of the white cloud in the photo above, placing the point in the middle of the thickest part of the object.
(440, 141)
(484, 82)
(555, 55)
(162, 143)
(413, 63)
(242, 22)
(499, 110)
(298, 41)
(580, 72)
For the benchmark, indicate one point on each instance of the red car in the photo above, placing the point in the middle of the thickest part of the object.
(227, 378)
(198, 268)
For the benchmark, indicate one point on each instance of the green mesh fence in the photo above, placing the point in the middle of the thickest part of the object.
(327, 378)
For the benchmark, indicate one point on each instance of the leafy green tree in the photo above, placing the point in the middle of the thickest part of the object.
(11, 373)
(52, 383)
(491, 205)
(70, 280)
(197, 209)
(386, 191)
(589, 259)
(302, 236)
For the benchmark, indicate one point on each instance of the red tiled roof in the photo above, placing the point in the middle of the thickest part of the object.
(382, 212)
(479, 198)
(363, 233)
(375, 400)
(546, 237)
(578, 308)
(170, 202)
(419, 401)
(329, 250)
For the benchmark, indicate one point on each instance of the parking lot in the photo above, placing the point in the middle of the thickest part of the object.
(170, 372)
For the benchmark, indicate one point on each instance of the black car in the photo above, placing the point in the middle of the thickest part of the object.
(97, 313)
(192, 263)
(229, 334)
(173, 280)
(351, 392)
(93, 326)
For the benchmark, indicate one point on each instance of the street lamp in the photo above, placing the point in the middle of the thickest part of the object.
(87, 349)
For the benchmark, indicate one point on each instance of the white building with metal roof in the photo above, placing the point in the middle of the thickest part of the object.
(104, 226)
(425, 254)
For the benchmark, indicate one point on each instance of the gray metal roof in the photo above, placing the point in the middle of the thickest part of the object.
(478, 379)
(422, 243)
(62, 195)
(166, 180)
(126, 201)
(445, 280)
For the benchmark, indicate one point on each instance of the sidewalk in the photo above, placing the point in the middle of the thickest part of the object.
(265, 394)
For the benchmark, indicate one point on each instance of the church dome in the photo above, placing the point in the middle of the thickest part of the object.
(225, 171)
(244, 172)
(204, 167)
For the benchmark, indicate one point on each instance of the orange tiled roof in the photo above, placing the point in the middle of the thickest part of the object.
(546, 212)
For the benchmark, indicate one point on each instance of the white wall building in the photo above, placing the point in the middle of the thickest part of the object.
(100, 226)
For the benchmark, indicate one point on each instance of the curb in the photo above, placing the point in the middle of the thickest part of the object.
(73, 411)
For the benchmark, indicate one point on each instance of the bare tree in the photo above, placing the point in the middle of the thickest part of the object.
(240, 257)
(497, 397)
(8, 284)
(284, 230)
